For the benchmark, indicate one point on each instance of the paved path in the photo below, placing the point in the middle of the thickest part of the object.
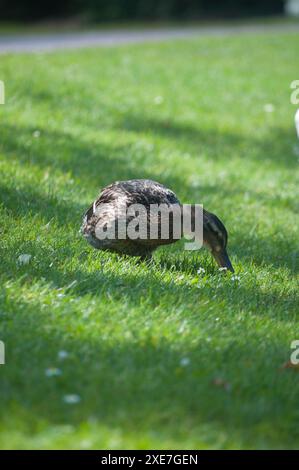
(48, 42)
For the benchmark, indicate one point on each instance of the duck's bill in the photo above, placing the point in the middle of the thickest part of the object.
(223, 260)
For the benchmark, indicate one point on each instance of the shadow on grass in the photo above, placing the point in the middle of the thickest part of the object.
(262, 251)
(275, 148)
(28, 201)
(95, 164)
(139, 386)
(100, 164)
(102, 282)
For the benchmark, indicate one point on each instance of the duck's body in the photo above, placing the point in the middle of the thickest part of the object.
(102, 213)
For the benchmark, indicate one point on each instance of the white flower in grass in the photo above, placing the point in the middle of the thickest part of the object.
(235, 278)
(223, 269)
(24, 259)
(185, 361)
(269, 108)
(85, 444)
(201, 271)
(36, 134)
(63, 354)
(158, 100)
(195, 184)
(53, 372)
(71, 399)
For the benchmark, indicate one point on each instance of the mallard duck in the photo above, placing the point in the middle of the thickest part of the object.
(146, 192)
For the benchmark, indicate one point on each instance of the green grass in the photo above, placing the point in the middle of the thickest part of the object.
(129, 327)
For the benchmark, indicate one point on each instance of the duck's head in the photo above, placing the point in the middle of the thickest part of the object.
(215, 239)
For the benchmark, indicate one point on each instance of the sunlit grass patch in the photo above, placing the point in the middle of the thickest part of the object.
(174, 353)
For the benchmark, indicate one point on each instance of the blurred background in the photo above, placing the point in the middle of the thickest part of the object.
(82, 11)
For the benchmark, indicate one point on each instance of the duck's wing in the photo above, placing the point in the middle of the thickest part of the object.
(138, 191)
(108, 207)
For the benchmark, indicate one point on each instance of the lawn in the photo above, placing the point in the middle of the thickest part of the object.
(108, 352)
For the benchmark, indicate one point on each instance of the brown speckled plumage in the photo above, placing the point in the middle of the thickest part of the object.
(146, 192)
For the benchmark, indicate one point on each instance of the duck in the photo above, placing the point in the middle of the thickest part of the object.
(102, 213)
